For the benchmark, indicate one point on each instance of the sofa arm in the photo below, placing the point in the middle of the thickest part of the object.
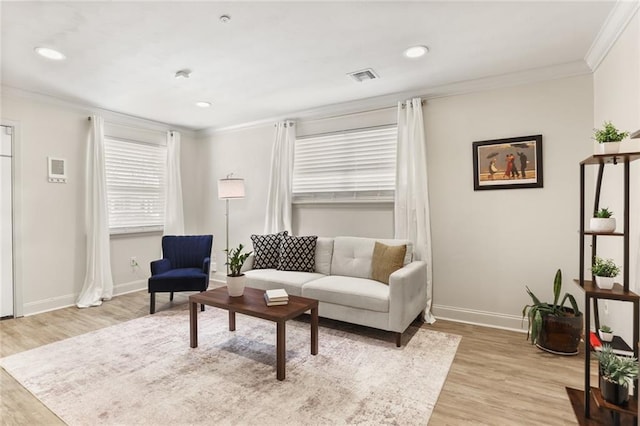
(160, 266)
(248, 263)
(407, 295)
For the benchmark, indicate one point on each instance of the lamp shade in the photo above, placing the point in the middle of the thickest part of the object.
(230, 188)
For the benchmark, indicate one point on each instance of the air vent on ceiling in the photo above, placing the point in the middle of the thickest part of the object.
(363, 75)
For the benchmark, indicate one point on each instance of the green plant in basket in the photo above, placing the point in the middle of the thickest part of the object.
(605, 268)
(537, 311)
(235, 260)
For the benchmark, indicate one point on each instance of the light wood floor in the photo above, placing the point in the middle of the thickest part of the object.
(497, 377)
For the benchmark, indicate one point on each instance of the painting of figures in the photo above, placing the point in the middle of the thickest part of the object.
(508, 163)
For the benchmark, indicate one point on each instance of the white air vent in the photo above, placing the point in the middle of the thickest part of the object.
(363, 75)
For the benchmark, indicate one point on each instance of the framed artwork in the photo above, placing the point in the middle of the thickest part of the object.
(508, 163)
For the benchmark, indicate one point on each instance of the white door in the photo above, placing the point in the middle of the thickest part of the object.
(6, 227)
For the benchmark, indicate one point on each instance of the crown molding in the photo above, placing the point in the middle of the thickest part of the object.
(613, 27)
(554, 72)
(113, 116)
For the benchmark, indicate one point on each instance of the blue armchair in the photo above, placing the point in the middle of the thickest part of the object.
(184, 266)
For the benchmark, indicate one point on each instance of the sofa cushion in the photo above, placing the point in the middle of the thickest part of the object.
(386, 260)
(291, 281)
(324, 251)
(267, 250)
(348, 291)
(297, 253)
(352, 255)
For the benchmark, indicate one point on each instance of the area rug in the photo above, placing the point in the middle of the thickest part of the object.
(144, 372)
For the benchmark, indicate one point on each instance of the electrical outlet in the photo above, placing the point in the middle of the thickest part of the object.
(133, 262)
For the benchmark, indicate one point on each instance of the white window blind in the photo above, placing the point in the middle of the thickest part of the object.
(358, 165)
(135, 185)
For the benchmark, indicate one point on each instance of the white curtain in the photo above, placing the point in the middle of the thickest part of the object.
(411, 209)
(173, 210)
(98, 282)
(278, 217)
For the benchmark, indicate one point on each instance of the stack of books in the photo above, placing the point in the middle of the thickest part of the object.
(276, 297)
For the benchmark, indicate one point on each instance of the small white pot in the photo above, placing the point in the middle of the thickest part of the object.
(605, 283)
(235, 285)
(605, 337)
(602, 224)
(608, 148)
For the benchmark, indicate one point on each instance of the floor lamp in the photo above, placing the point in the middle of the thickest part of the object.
(229, 188)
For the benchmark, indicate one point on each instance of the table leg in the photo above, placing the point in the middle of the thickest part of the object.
(193, 324)
(280, 350)
(232, 321)
(314, 331)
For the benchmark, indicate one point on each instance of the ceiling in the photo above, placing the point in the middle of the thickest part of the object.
(274, 59)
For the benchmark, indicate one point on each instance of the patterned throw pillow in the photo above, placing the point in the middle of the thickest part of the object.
(267, 250)
(298, 253)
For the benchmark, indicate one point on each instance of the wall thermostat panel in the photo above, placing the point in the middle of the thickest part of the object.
(57, 170)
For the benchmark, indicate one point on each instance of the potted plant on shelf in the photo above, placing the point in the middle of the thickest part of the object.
(605, 271)
(235, 278)
(602, 221)
(608, 138)
(616, 375)
(552, 326)
(606, 333)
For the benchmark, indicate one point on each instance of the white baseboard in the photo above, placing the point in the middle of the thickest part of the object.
(482, 318)
(53, 303)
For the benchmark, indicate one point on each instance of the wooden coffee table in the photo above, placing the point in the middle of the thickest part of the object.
(252, 303)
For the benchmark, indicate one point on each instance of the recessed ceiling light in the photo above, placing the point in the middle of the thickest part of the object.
(49, 53)
(182, 74)
(225, 18)
(203, 104)
(416, 51)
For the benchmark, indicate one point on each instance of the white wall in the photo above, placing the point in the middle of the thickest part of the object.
(616, 84)
(487, 245)
(51, 256)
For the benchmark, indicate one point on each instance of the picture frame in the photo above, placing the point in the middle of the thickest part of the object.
(509, 163)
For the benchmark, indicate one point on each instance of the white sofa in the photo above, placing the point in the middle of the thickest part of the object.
(342, 284)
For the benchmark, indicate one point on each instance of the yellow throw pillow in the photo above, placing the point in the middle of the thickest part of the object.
(386, 260)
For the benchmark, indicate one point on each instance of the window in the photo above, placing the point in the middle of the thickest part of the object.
(357, 165)
(135, 185)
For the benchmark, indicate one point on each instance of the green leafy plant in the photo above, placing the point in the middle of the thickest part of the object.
(604, 268)
(603, 213)
(235, 259)
(621, 370)
(609, 133)
(536, 311)
(606, 329)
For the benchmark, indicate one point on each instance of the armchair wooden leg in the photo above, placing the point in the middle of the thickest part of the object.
(398, 339)
(171, 296)
(152, 304)
(202, 305)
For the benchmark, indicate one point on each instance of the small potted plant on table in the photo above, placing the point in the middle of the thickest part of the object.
(608, 138)
(602, 221)
(235, 278)
(616, 375)
(605, 271)
(606, 333)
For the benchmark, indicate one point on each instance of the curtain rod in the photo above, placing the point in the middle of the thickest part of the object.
(422, 102)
